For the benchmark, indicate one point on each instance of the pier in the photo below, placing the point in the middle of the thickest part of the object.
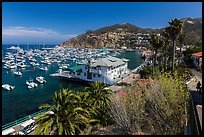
(141, 66)
(129, 79)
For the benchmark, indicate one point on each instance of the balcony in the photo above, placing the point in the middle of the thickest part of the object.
(95, 71)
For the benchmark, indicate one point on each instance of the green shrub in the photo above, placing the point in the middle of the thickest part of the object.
(156, 108)
(146, 72)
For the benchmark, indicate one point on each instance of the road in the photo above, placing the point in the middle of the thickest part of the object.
(197, 74)
(196, 96)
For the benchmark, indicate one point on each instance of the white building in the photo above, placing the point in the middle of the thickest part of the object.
(197, 59)
(107, 70)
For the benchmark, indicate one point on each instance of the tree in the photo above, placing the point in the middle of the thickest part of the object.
(99, 96)
(65, 119)
(176, 27)
(166, 39)
(181, 39)
(156, 43)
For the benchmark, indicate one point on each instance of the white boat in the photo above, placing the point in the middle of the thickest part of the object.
(31, 84)
(8, 87)
(17, 73)
(21, 65)
(30, 87)
(37, 64)
(13, 66)
(6, 67)
(43, 68)
(40, 80)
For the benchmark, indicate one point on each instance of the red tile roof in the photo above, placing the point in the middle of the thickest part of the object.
(198, 54)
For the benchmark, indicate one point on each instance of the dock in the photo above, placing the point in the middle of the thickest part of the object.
(129, 80)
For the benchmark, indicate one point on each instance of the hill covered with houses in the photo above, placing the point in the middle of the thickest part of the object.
(131, 36)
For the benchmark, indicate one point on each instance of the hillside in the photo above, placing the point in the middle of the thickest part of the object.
(193, 30)
(118, 35)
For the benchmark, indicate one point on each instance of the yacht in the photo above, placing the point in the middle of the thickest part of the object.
(44, 68)
(31, 84)
(40, 80)
(21, 65)
(8, 87)
(6, 66)
(17, 73)
(13, 66)
(36, 64)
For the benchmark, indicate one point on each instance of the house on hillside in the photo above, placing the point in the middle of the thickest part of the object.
(197, 59)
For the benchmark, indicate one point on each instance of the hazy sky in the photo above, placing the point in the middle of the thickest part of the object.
(53, 23)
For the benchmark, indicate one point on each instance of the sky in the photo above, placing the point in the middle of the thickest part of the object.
(56, 22)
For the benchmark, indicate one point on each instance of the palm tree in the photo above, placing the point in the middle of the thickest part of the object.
(99, 96)
(84, 101)
(166, 39)
(181, 39)
(65, 119)
(161, 43)
(176, 27)
(156, 43)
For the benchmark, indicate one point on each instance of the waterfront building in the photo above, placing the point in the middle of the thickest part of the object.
(107, 70)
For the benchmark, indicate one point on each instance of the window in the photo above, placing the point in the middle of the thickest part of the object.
(94, 75)
(85, 67)
(84, 74)
(99, 75)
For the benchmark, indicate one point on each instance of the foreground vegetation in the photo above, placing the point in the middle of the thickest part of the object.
(158, 107)
(75, 111)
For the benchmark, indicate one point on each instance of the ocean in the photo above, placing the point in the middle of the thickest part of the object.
(21, 101)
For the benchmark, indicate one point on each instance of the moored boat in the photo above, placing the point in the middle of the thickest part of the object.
(8, 87)
(17, 73)
(43, 68)
(31, 84)
(41, 80)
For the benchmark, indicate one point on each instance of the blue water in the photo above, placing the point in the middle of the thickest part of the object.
(22, 101)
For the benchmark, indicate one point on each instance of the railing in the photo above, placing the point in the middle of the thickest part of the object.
(16, 122)
(193, 119)
(139, 67)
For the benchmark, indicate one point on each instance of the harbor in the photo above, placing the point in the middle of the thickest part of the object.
(16, 106)
(26, 126)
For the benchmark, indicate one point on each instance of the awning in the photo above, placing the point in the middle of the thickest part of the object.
(8, 131)
(76, 68)
(25, 124)
(198, 54)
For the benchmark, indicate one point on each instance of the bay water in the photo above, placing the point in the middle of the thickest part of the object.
(21, 101)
